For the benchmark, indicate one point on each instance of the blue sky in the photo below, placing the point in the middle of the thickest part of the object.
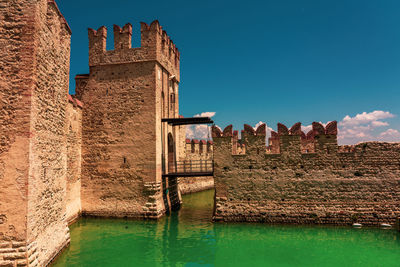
(271, 61)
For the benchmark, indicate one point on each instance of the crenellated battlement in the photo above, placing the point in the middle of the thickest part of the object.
(167, 45)
(198, 147)
(61, 16)
(304, 177)
(97, 44)
(156, 45)
(286, 140)
(123, 37)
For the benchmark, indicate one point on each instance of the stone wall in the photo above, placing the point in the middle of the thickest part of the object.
(124, 143)
(35, 41)
(196, 151)
(47, 227)
(188, 185)
(326, 186)
(181, 141)
(74, 155)
(16, 83)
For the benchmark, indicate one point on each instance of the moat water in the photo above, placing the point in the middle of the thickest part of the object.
(189, 238)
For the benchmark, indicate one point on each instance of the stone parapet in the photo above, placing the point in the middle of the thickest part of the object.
(156, 45)
(331, 185)
(196, 151)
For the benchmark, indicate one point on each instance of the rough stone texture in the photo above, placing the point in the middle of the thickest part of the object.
(360, 185)
(195, 184)
(45, 177)
(47, 226)
(199, 151)
(16, 83)
(124, 144)
(34, 70)
(74, 144)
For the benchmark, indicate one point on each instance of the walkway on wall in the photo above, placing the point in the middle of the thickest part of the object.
(178, 169)
(191, 168)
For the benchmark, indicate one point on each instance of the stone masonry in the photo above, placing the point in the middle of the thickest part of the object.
(74, 159)
(125, 146)
(292, 181)
(60, 159)
(34, 74)
(198, 151)
(103, 152)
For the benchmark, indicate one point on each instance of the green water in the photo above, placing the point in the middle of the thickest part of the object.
(188, 238)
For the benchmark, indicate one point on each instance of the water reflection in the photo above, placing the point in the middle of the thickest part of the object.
(190, 230)
(188, 238)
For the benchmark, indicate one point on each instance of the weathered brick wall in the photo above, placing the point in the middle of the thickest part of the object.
(47, 226)
(35, 48)
(294, 187)
(16, 84)
(123, 141)
(181, 141)
(196, 151)
(119, 142)
(74, 155)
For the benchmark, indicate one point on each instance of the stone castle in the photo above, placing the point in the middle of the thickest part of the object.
(106, 150)
(101, 152)
(304, 178)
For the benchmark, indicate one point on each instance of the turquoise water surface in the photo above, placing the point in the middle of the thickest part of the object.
(188, 238)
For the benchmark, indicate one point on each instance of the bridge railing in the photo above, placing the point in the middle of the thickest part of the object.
(191, 166)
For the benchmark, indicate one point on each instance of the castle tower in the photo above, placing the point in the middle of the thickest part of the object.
(126, 147)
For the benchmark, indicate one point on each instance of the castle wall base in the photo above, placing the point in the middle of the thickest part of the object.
(328, 186)
(18, 252)
(195, 184)
(306, 213)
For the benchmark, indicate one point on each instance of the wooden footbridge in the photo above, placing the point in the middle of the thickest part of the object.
(179, 169)
(190, 168)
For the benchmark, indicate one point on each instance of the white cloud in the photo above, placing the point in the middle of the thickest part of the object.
(366, 127)
(390, 135)
(390, 132)
(379, 123)
(306, 129)
(205, 114)
(361, 135)
(201, 131)
(365, 118)
(189, 132)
